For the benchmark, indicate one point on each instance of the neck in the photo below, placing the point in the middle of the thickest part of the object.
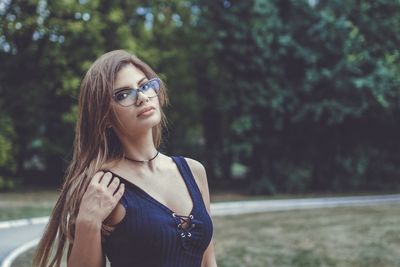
(142, 161)
(140, 147)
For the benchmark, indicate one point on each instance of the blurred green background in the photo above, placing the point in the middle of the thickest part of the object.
(272, 96)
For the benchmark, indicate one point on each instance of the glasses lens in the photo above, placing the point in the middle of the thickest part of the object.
(129, 97)
(151, 88)
(126, 97)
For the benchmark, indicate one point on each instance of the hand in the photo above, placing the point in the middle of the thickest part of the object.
(100, 198)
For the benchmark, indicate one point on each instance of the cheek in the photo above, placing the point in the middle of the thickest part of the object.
(123, 116)
(159, 115)
(158, 108)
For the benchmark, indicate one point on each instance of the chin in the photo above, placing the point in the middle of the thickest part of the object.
(151, 121)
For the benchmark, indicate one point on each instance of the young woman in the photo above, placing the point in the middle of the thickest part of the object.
(122, 198)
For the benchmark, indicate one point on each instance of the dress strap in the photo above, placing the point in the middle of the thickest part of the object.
(188, 176)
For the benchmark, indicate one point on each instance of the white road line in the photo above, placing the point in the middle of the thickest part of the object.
(18, 251)
(23, 222)
(250, 206)
(243, 207)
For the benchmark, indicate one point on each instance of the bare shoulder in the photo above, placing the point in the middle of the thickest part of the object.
(199, 173)
(195, 165)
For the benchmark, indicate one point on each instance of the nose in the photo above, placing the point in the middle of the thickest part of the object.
(141, 98)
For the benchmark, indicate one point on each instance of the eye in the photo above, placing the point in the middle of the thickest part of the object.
(122, 95)
(146, 86)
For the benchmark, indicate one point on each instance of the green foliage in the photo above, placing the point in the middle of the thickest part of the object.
(304, 94)
(7, 153)
(310, 92)
(6, 136)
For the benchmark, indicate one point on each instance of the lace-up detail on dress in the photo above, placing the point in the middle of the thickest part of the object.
(185, 225)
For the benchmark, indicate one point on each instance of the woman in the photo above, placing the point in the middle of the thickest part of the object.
(122, 198)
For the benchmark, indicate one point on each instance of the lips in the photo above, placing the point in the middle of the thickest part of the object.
(144, 110)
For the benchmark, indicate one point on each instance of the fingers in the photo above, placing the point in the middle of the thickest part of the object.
(105, 181)
(97, 177)
(109, 183)
(114, 184)
(120, 191)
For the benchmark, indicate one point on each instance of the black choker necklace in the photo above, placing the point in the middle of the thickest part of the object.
(142, 161)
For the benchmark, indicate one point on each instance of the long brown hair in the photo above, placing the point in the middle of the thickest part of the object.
(95, 145)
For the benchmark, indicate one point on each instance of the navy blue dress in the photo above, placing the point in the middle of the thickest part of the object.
(152, 235)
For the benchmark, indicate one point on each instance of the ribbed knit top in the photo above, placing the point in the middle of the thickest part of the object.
(151, 235)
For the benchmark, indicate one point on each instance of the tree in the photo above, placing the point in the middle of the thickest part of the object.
(301, 84)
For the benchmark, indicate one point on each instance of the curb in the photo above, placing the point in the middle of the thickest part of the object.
(23, 222)
(9, 259)
(256, 206)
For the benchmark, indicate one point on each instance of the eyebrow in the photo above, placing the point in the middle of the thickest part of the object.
(128, 87)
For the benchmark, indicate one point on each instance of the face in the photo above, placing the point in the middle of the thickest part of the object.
(144, 114)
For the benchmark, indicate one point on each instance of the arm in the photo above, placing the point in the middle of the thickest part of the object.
(98, 202)
(200, 175)
(86, 249)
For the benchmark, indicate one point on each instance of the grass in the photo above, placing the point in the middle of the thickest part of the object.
(337, 237)
(27, 203)
(351, 236)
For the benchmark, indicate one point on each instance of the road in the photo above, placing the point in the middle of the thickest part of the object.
(18, 236)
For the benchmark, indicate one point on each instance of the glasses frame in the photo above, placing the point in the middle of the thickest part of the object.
(138, 90)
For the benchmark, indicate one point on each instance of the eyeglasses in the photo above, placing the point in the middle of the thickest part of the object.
(128, 96)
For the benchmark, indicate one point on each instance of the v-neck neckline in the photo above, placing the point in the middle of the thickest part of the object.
(157, 202)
